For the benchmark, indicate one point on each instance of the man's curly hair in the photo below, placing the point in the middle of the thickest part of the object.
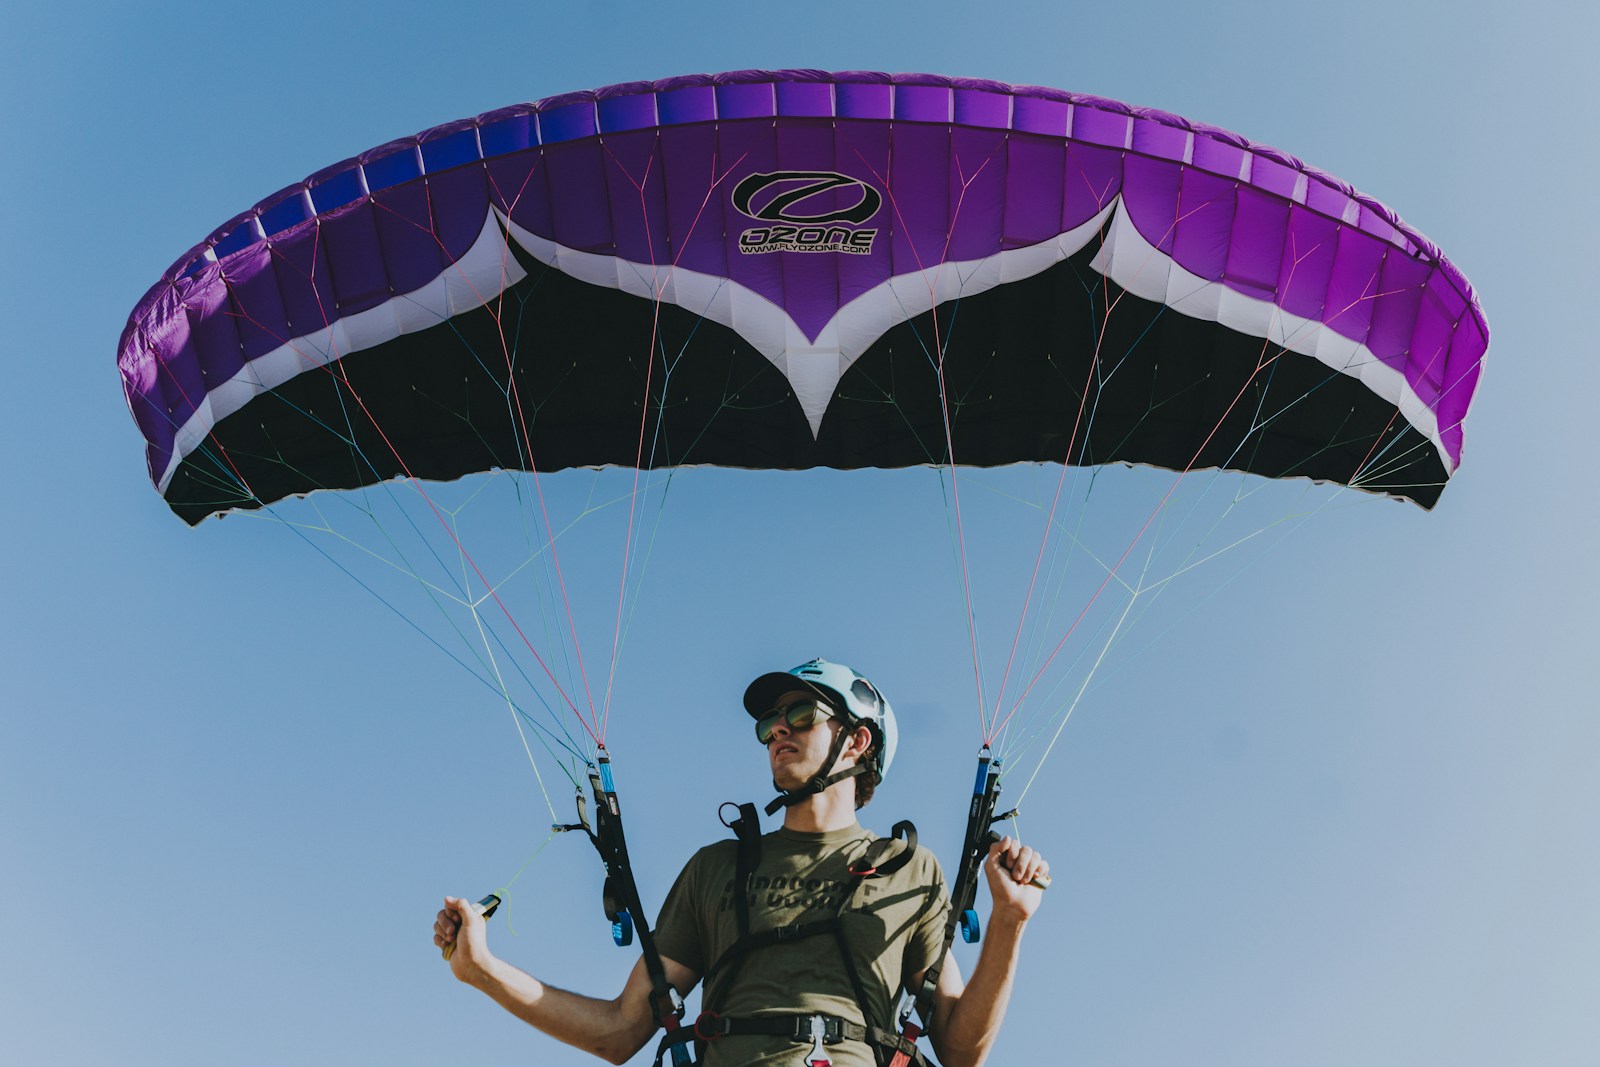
(867, 782)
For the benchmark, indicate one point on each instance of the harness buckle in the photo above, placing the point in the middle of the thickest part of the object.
(712, 1031)
(818, 1056)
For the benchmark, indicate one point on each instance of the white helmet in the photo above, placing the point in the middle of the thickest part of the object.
(842, 687)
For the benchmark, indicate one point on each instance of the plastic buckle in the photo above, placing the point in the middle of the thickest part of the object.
(700, 1033)
(818, 1056)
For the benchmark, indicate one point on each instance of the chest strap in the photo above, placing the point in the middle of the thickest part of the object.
(748, 830)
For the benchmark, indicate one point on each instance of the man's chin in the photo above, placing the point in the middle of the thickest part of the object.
(787, 780)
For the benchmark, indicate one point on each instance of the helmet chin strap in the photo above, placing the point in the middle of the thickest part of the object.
(820, 781)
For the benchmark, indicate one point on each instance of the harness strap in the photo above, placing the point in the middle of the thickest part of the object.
(904, 830)
(749, 858)
(799, 1028)
(779, 935)
(710, 1025)
(814, 786)
(862, 871)
(795, 1027)
(747, 829)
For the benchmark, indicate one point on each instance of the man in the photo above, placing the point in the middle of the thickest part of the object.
(862, 918)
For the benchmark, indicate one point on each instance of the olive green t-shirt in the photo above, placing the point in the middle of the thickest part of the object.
(894, 927)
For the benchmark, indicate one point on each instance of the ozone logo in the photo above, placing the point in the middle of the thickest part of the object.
(781, 198)
(802, 186)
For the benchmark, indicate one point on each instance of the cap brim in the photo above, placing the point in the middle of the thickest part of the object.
(763, 693)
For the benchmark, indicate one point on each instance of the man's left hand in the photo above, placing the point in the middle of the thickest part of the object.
(1010, 890)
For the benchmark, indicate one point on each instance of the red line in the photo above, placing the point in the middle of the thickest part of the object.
(944, 408)
(658, 286)
(339, 374)
(550, 539)
(1016, 641)
(1404, 384)
(1044, 539)
(1260, 366)
(516, 400)
(638, 455)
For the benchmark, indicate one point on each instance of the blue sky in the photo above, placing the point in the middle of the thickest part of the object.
(1339, 810)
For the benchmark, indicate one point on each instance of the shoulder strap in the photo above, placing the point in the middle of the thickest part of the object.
(904, 830)
(747, 829)
(864, 869)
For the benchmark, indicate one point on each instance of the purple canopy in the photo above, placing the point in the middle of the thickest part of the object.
(740, 268)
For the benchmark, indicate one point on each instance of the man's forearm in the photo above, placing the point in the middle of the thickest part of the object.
(967, 1035)
(597, 1026)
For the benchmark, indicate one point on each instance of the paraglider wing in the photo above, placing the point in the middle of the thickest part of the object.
(792, 269)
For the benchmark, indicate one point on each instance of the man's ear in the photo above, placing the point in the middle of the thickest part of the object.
(860, 741)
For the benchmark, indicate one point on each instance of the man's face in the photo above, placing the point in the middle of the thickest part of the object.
(798, 755)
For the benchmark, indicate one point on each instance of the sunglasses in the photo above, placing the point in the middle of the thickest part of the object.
(798, 716)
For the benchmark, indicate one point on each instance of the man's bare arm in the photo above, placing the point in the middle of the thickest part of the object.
(966, 1018)
(612, 1029)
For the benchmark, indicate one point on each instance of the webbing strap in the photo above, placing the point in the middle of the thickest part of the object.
(710, 1026)
(747, 830)
(904, 830)
(789, 798)
(863, 871)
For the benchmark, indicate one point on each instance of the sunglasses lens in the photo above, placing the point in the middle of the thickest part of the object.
(799, 715)
(765, 724)
(803, 714)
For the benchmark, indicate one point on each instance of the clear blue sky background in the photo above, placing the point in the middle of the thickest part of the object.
(1343, 813)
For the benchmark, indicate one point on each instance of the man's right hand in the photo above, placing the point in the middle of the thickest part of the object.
(460, 924)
